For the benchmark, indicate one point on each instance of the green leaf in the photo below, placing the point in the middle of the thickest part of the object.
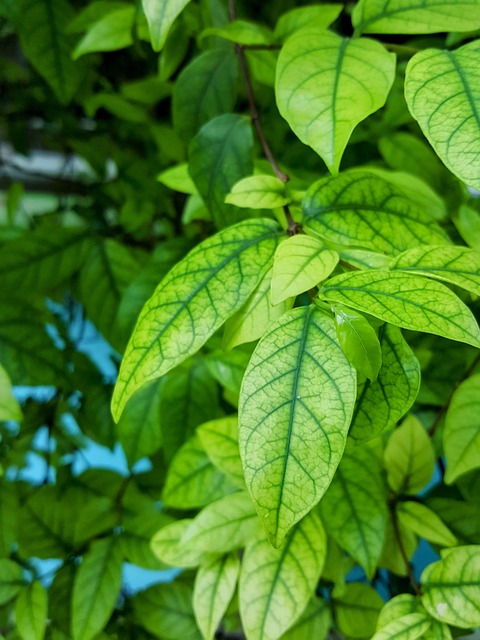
(11, 580)
(137, 536)
(219, 438)
(360, 209)
(258, 192)
(326, 85)
(409, 457)
(354, 508)
(96, 588)
(41, 27)
(204, 89)
(297, 356)
(277, 584)
(425, 523)
(257, 314)
(220, 155)
(9, 407)
(382, 403)
(462, 518)
(139, 429)
(357, 609)
(467, 222)
(406, 300)
(31, 612)
(313, 623)
(92, 14)
(111, 32)
(225, 525)
(415, 16)
(398, 607)
(457, 265)
(161, 14)
(191, 303)
(168, 546)
(166, 611)
(440, 90)
(213, 590)
(461, 435)
(359, 342)
(228, 369)
(451, 590)
(9, 511)
(242, 32)
(322, 15)
(41, 260)
(188, 397)
(192, 480)
(408, 627)
(299, 264)
(177, 177)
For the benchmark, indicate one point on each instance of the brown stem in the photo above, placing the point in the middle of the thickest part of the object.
(398, 537)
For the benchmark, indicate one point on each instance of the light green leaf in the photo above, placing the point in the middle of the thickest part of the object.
(360, 209)
(161, 14)
(225, 525)
(277, 584)
(467, 222)
(398, 607)
(192, 481)
(166, 611)
(408, 627)
(228, 369)
(41, 27)
(321, 14)
(92, 14)
(139, 429)
(168, 546)
(191, 303)
(357, 609)
(219, 438)
(382, 403)
(11, 580)
(299, 264)
(406, 300)
(457, 265)
(415, 16)
(188, 397)
(326, 85)
(111, 32)
(242, 32)
(298, 356)
(359, 342)
(220, 156)
(409, 457)
(257, 314)
(461, 435)
(9, 407)
(363, 259)
(178, 178)
(214, 588)
(204, 89)
(42, 259)
(96, 588)
(258, 192)
(313, 623)
(451, 589)
(31, 612)
(425, 523)
(441, 89)
(354, 508)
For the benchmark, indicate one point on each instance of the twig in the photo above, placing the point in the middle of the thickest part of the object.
(240, 50)
(444, 409)
(398, 537)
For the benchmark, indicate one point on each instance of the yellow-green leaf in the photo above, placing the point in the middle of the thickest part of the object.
(219, 438)
(357, 609)
(193, 301)
(359, 342)
(276, 584)
(442, 93)
(288, 474)
(258, 192)
(314, 622)
(425, 523)
(161, 14)
(326, 85)
(408, 627)
(168, 546)
(31, 612)
(9, 407)
(321, 14)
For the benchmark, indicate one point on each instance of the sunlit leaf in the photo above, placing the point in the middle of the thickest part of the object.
(408, 627)
(191, 303)
(258, 192)
(242, 32)
(441, 89)
(406, 300)
(9, 407)
(322, 14)
(161, 15)
(296, 357)
(220, 440)
(326, 85)
(359, 342)
(276, 584)
(425, 523)
(169, 548)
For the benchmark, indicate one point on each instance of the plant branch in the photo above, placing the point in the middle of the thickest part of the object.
(400, 48)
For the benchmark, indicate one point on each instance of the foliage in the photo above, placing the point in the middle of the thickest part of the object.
(269, 223)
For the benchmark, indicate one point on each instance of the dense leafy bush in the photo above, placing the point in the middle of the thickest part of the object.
(270, 211)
